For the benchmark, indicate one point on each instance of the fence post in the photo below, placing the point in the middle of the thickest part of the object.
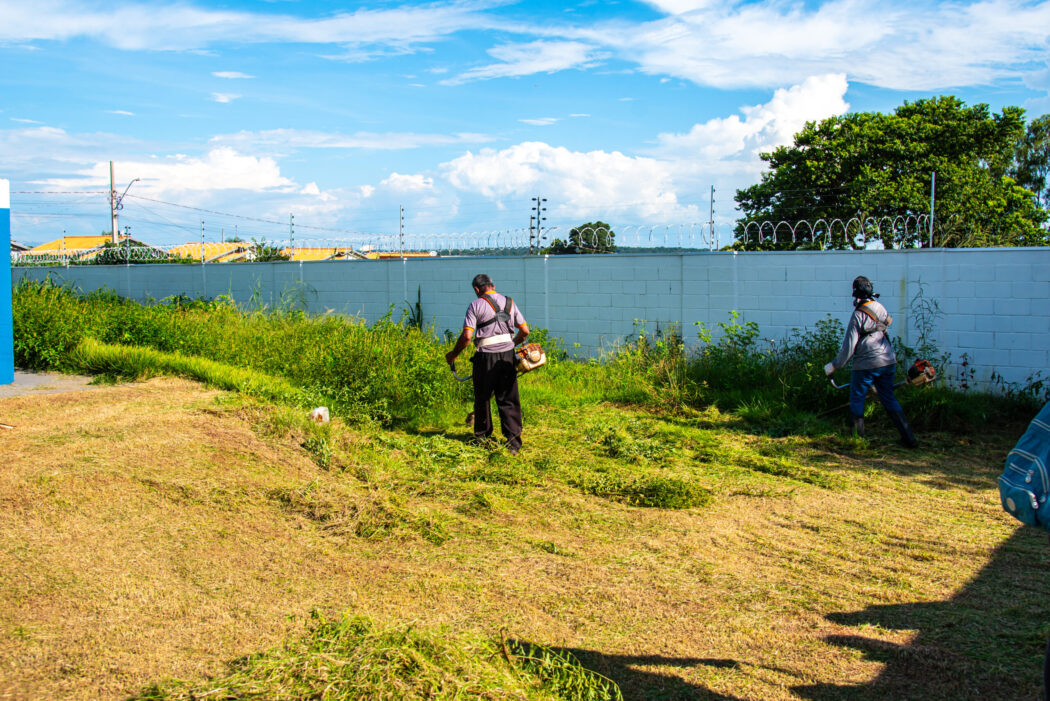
(7, 338)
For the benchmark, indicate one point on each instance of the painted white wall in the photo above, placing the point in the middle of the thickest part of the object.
(994, 301)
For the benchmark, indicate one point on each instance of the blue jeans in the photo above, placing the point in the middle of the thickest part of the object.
(861, 380)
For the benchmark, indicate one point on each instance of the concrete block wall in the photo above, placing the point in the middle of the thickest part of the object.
(993, 302)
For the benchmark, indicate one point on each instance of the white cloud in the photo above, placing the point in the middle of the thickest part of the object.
(224, 97)
(231, 75)
(540, 121)
(591, 182)
(179, 26)
(534, 57)
(896, 44)
(123, 113)
(663, 185)
(763, 127)
(286, 139)
(219, 169)
(408, 183)
(579, 114)
(25, 121)
(315, 191)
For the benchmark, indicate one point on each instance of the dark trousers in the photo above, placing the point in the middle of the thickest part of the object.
(495, 375)
(861, 380)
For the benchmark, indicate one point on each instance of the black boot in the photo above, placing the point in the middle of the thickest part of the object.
(907, 437)
(858, 425)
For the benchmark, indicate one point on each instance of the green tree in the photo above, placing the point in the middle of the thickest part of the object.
(592, 237)
(1033, 159)
(267, 252)
(876, 168)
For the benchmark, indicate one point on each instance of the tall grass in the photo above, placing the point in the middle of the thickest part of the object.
(387, 371)
(394, 371)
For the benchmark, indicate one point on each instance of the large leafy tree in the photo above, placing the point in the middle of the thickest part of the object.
(1032, 168)
(592, 237)
(875, 169)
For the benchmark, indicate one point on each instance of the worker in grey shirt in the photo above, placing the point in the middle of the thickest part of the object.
(874, 362)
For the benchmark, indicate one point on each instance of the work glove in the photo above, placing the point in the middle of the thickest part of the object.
(829, 369)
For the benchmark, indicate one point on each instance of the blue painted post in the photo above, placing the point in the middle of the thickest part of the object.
(7, 340)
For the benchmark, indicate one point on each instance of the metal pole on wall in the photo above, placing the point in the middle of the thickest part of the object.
(7, 337)
(711, 219)
(113, 235)
(933, 215)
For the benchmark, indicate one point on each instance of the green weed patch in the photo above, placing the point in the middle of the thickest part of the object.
(652, 491)
(353, 658)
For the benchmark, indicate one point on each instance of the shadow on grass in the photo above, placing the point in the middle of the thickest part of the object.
(986, 642)
(647, 685)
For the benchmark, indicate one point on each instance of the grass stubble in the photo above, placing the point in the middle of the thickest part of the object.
(163, 531)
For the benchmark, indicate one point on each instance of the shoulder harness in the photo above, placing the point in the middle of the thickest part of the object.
(879, 326)
(502, 315)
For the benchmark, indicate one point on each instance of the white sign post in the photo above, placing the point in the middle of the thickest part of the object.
(7, 340)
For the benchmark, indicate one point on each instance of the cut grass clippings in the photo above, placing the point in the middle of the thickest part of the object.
(352, 658)
(178, 529)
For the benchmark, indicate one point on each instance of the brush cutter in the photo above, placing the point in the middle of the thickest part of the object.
(528, 357)
(920, 373)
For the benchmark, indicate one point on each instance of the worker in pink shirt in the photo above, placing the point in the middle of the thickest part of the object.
(496, 325)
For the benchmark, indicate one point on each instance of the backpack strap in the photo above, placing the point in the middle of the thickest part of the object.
(879, 326)
(505, 311)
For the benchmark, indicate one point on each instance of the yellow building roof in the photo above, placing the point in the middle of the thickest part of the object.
(73, 243)
(320, 253)
(213, 252)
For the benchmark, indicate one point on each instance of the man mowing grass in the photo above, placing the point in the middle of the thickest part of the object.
(490, 321)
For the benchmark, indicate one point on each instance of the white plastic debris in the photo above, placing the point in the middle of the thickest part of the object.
(320, 415)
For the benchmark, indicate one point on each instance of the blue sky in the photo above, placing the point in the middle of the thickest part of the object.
(460, 112)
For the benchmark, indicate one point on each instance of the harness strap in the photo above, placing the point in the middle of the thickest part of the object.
(879, 326)
(493, 340)
(506, 310)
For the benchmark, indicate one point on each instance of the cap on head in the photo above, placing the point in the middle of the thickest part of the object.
(481, 281)
(862, 288)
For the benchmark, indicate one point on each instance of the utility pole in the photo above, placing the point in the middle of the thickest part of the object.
(540, 209)
(291, 236)
(933, 212)
(202, 242)
(113, 235)
(401, 229)
(711, 219)
(532, 223)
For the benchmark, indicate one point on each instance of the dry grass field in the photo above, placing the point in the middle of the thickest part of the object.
(161, 531)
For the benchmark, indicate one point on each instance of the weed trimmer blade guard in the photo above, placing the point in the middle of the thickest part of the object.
(452, 367)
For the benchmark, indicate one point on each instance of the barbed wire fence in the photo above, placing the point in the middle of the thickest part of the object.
(860, 232)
